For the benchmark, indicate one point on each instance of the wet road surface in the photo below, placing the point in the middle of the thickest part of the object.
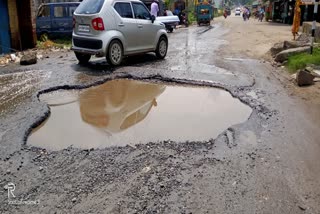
(121, 112)
(263, 162)
(19, 86)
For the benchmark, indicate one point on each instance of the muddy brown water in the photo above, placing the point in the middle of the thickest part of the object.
(122, 112)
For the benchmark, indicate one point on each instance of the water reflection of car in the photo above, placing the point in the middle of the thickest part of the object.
(118, 105)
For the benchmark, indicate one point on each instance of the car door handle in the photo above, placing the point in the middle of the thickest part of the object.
(140, 26)
(121, 25)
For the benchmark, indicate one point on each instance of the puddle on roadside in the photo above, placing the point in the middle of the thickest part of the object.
(122, 112)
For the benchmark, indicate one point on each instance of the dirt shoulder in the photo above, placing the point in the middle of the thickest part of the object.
(254, 39)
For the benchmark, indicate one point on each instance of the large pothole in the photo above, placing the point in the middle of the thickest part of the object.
(122, 112)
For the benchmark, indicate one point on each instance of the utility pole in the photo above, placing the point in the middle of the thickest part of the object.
(315, 13)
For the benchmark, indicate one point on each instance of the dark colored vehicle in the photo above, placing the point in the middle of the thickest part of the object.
(227, 9)
(204, 13)
(55, 20)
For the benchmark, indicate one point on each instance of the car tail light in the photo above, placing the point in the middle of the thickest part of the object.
(97, 24)
(73, 22)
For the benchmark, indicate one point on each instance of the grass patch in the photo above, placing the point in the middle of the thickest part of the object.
(191, 18)
(216, 15)
(56, 43)
(300, 61)
(65, 41)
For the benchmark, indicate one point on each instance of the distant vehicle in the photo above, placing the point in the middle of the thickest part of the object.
(55, 20)
(238, 11)
(204, 13)
(115, 29)
(169, 20)
(227, 9)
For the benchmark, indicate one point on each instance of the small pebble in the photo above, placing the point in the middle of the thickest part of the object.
(302, 207)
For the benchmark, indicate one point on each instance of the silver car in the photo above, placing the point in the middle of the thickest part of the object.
(115, 29)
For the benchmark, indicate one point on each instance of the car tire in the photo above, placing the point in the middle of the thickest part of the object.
(82, 58)
(115, 53)
(162, 47)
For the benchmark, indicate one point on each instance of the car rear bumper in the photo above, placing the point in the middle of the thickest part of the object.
(87, 51)
(171, 25)
(86, 43)
(88, 46)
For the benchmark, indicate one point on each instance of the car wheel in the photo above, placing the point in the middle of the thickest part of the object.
(170, 29)
(82, 58)
(115, 53)
(162, 47)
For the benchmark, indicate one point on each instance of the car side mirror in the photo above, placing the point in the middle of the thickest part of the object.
(153, 18)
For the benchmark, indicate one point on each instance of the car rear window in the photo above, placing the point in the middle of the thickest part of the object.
(90, 7)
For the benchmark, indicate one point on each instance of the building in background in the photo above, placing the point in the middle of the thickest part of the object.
(283, 11)
(17, 26)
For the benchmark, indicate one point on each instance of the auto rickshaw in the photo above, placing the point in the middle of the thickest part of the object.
(204, 12)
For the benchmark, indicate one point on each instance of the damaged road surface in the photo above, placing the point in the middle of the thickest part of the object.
(122, 112)
(203, 131)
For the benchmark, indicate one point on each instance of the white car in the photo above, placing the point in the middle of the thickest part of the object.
(115, 29)
(238, 11)
(169, 20)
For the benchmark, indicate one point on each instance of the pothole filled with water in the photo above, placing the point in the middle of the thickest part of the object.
(122, 112)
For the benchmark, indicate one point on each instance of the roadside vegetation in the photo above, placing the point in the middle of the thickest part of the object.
(56, 43)
(218, 13)
(191, 18)
(300, 61)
